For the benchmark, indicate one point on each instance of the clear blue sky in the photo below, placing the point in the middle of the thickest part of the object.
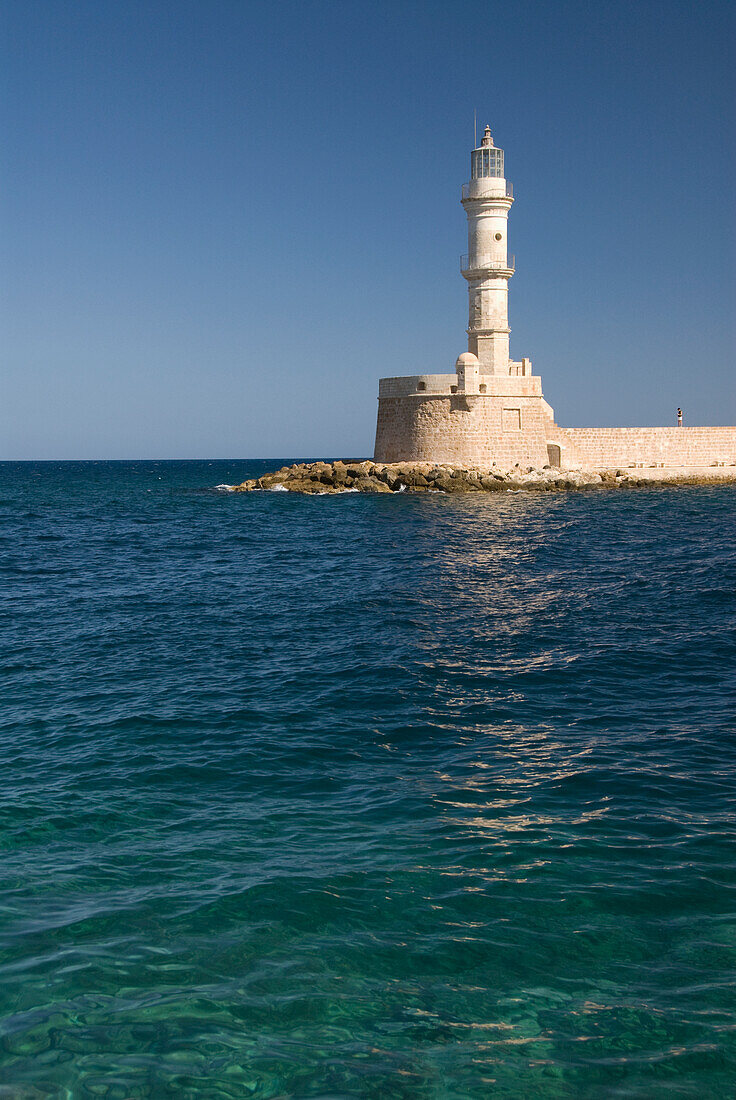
(222, 222)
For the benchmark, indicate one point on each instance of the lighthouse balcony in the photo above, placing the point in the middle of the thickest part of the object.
(422, 387)
(488, 188)
(470, 265)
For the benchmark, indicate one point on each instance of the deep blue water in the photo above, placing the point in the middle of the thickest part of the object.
(364, 796)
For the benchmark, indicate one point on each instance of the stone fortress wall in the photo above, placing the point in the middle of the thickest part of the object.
(453, 418)
(505, 420)
(604, 448)
(461, 429)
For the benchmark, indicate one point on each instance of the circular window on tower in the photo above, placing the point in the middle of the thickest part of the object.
(499, 236)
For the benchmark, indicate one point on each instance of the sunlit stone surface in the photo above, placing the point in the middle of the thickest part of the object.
(491, 407)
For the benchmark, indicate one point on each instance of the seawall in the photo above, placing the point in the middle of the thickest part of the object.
(603, 448)
(507, 422)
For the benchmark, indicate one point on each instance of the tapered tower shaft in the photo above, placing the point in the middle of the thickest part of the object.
(487, 199)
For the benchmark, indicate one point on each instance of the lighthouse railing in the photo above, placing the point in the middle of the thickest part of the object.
(486, 263)
(467, 195)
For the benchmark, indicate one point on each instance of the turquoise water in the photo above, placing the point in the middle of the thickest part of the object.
(343, 796)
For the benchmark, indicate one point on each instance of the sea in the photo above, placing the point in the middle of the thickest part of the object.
(414, 797)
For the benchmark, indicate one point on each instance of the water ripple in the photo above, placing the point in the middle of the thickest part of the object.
(418, 797)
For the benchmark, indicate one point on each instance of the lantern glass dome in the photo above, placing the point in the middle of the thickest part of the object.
(486, 161)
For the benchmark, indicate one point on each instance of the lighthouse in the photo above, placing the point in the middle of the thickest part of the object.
(490, 408)
(487, 412)
(487, 266)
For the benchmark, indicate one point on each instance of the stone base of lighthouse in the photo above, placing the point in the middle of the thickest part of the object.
(467, 421)
(471, 419)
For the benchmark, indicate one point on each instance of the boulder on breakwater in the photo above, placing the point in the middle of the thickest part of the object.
(426, 477)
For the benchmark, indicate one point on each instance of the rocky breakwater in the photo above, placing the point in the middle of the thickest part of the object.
(424, 477)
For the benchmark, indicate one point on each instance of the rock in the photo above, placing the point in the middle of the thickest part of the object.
(303, 485)
(359, 469)
(413, 479)
(370, 485)
(379, 477)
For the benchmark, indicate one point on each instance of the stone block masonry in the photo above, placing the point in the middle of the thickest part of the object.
(511, 429)
(604, 448)
(469, 429)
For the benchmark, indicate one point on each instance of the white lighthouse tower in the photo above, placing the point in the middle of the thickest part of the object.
(487, 199)
(490, 408)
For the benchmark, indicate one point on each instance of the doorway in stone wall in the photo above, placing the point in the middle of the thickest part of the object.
(554, 455)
